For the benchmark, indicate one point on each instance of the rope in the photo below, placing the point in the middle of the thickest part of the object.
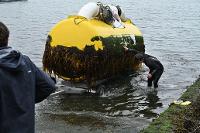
(79, 17)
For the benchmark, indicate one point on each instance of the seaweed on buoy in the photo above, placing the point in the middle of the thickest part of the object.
(89, 64)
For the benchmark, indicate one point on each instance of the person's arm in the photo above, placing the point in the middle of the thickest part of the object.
(131, 50)
(44, 86)
(152, 73)
(152, 61)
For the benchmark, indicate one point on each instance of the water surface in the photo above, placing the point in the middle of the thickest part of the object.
(171, 32)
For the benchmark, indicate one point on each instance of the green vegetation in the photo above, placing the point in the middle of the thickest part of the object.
(178, 118)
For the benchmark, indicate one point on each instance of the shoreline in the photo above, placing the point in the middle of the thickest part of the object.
(179, 118)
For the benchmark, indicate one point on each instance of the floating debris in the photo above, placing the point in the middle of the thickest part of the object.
(181, 102)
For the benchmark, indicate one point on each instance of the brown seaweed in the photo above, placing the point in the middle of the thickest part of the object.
(89, 64)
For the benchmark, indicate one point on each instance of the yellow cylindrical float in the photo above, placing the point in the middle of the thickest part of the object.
(79, 49)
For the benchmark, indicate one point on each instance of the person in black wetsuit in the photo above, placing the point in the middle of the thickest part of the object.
(155, 66)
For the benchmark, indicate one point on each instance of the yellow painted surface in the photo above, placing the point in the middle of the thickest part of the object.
(77, 31)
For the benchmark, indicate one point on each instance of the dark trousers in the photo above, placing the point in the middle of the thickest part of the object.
(155, 77)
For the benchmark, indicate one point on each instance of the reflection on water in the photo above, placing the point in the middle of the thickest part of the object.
(153, 102)
(120, 99)
(171, 32)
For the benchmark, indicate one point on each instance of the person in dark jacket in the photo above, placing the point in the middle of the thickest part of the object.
(22, 85)
(155, 66)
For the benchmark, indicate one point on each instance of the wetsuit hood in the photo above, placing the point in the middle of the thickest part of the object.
(10, 59)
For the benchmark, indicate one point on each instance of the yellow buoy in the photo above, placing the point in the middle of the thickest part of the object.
(81, 49)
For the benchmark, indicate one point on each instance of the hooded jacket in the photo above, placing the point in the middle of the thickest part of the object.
(22, 85)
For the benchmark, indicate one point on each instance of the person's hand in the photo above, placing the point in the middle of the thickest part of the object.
(125, 47)
(149, 76)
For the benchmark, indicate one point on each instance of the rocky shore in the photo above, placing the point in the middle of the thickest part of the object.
(180, 118)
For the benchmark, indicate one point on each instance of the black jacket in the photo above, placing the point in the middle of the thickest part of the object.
(153, 63)
(150, 61)
(22, 85)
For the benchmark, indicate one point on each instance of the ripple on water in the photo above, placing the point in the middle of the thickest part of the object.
(171, 33)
